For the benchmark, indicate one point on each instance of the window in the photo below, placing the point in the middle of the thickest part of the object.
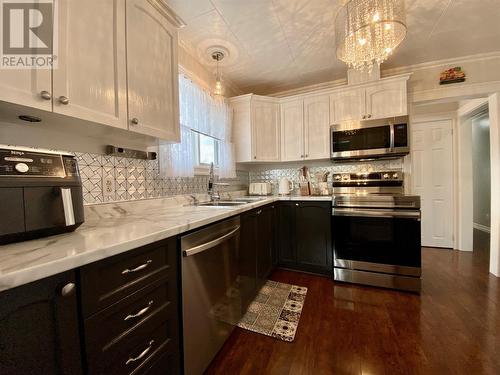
(206, 150)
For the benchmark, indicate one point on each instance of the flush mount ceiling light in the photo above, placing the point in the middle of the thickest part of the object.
(218, 56)
(368, 31)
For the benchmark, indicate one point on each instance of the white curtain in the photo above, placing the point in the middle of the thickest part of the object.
(201, 112)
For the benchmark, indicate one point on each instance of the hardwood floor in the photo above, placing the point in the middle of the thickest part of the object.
(453, 327)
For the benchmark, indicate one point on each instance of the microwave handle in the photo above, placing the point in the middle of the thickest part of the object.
(392, 137)
(67, 200)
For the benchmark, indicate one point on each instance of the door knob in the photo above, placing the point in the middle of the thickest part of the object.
(135, 121)
(68, 290)
(45, 95)
(63, 100)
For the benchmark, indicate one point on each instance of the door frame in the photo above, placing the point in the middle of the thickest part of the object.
(441, 116)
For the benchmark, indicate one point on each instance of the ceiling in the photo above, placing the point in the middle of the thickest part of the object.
(278, 45)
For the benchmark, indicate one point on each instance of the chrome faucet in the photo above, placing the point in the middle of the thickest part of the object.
(214, 195)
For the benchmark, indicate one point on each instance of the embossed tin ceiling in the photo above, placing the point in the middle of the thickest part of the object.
(283, 44)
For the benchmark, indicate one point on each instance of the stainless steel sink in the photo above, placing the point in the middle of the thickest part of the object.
(222, 203)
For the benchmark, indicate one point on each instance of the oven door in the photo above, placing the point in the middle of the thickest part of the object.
(377, 240)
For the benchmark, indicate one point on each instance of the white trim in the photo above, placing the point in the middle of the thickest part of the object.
(438, 63)
(472, 106)
(481, 227)
(454, 92)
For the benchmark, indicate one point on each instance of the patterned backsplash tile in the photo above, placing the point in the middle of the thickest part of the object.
(133, 179)
(272, 175)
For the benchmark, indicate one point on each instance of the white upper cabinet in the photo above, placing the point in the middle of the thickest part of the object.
(90, 81)
(386, 100)
(348, 104)
(256, 128)
(317, 127)
(265, 130)
(292, 130)
(152, 72)
(29, 87)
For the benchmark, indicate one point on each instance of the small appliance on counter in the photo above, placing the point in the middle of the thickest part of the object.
(40, 191)
(260, 188)
(285, 186)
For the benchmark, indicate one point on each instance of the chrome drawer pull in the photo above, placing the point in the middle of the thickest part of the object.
(142, 355)
(140, 312)
(138, 268)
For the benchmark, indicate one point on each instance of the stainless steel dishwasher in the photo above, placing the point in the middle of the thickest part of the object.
(211, 297)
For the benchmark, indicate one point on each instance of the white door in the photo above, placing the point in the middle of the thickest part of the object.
(386, 100)
(317, 127)
(292, 130)
(347, 105)
(152, 73)
(432, 179)
(90, 82)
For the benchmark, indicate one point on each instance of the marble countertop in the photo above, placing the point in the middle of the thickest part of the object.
(111, 229)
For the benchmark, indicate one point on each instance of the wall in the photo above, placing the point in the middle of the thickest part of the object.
(481, 169)
(133, 179)
(273, 172)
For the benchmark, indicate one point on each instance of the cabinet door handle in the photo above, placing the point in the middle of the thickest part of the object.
(259, 212)
(296, 204)
(135, 121)
(138, 268)
(364, 116)
(68, 290)
(45, 95)
(141, 312)
(64, 100)
(369, 116)
(142, 355)
(255, 157)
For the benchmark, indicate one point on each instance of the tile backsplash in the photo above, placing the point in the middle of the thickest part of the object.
(133, 179)
(273, 174)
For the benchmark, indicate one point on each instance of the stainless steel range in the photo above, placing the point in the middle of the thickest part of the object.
(376, 231)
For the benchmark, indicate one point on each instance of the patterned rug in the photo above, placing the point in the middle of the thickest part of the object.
(275, 311)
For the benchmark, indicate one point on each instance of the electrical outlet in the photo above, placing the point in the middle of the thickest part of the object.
(108, 186)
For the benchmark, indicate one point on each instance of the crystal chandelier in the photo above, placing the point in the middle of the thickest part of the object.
(368, 31)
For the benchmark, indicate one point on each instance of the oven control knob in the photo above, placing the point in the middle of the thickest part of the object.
(386, 176)
(337, 177)
(395, 176)
(345, 177)
(22, 167)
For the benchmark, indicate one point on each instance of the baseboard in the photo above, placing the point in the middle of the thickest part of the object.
(482, 228)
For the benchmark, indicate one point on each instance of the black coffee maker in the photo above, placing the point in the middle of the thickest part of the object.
(40, 193)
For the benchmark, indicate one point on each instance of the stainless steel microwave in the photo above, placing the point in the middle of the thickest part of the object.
(370, 139)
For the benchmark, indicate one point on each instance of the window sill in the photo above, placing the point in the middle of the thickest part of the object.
(204, 170)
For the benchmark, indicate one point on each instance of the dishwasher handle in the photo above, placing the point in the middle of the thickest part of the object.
(208, 245)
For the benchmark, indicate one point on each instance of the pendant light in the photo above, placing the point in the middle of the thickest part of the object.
(218, 89)
(368, 31)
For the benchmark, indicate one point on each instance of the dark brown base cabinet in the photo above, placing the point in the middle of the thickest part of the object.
(257, 246)
(304, 236)
(116, 316)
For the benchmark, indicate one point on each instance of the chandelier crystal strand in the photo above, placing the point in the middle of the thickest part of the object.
(368, 31)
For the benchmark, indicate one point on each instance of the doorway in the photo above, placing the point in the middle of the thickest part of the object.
(481, 182)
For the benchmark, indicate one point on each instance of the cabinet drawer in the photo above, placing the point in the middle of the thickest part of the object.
(135, 352)
(107, 281)
(129, 314)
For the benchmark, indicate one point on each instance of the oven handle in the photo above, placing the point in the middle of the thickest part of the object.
(356, 212)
